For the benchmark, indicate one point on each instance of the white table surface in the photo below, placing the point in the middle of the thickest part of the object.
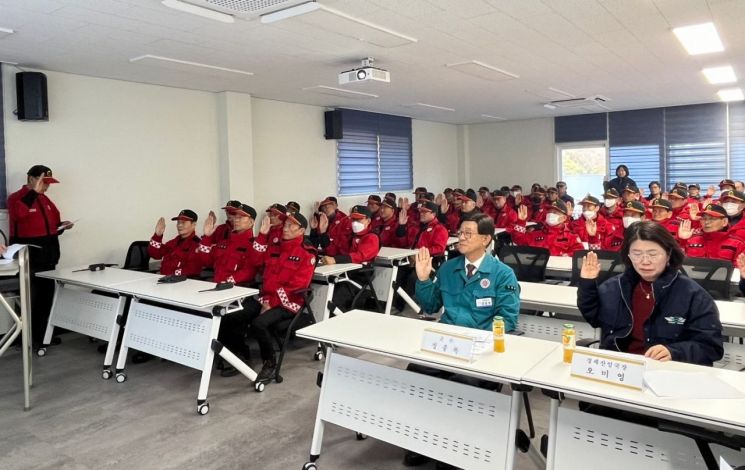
(9, 269)
(725, 414)
(401, 338)
(185, 294)
(105, 279)
(327, 270)
(388, 254)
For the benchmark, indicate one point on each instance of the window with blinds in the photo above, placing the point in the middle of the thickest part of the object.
(737, 141)
(374, 154)
(636, 140)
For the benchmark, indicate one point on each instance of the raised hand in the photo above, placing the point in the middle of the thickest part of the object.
(444, 206)
(592, 227)
(38, 184)
(209, 224)
(590, 266)
(710, 191)
(405, 205)
(323, 223)
(479, 201)
(313, 222)
(160, 227)
(522, 213)
(403, 217)
(518, 199)
(641, 192)
(693, 210)
(684, 230)
(316, 206)
(423, 264)
(266, 225)
(438, 199)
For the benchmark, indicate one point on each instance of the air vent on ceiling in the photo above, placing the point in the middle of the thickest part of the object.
(592, 101)
(246, 8)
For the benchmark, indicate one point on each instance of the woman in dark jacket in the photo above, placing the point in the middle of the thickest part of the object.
(621, 180)
(652, 308)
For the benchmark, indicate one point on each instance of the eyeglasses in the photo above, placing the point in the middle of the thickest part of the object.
(652, 256)
(465, 235)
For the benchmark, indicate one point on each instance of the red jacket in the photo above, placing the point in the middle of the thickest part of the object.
(539, 215)
(671, 224)
(387, 233)
(451, 219)
(433, 236)
(376, 221)
(273, 240)
(179, 255)
(338, 236)
(236, 259)
(609, 241)
(489, 208)
(364, 248)
(615, 217)
(717, 245)
(222, 231)
(505, 218)
(32, 214)
(559, 240)
(289, 269)
(579, 227)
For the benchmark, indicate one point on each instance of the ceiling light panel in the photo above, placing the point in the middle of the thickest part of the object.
(699, 38)
(495, 118)
(340, 92)
(719, 75)
(731, 94)
(188, 66)
(335, 21)
(430, 106)
(198, 11)
(482, 70)
(247, 8)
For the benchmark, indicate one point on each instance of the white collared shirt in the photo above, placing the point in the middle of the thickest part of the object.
(476, 263)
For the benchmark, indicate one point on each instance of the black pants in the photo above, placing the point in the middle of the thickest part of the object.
(234, 327)
(42, 294)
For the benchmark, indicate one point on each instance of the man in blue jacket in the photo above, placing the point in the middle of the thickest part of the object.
(473, 288)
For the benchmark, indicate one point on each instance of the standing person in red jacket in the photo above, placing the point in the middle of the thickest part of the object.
(179, 254)
(363, 249)
(331, 229)
(555, 235)
(35, 220)
(222, 231)
(714, 241)
(289, 270)
(237, 259)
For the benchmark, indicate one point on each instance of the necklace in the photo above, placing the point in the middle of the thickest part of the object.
(641, 286)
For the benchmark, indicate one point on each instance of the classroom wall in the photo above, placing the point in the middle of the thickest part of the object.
(125, 153)
(512, 152)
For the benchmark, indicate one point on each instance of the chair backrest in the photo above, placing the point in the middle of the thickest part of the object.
(137, 258)
(528, 262)
(714, 275)
(610, 264)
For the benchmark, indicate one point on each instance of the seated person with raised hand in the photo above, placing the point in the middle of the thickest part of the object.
(651, 308)
(330, 228)
(474, 287)
(179, 254)
(222, 231)
(714, 241)
(238, 258)
(556, 236)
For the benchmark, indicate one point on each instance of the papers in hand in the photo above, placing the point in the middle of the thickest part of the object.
(688, 385)
(65, 225)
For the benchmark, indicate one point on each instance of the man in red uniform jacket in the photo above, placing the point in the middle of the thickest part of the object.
(389, 223)
(179, 254)
(633, 211)
(662, 213)
(222, 231)
(555, 235)
(504, 215)
(612, 209)
(373, 203)
(35, 220)
(591, 214)
(331, 229)
(715, 241)
(238, 258)
(286, 271)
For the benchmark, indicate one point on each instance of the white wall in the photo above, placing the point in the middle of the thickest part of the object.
(513, 152)
(125, 153)
(293, 161)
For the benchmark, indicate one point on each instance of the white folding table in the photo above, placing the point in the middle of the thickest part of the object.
(386, 271)
(620, 445)
(465, 426)
(77, 307)
(167, 325)
(21, 324)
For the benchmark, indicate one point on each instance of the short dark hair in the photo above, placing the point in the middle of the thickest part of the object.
(654, 182)
(653, 232)
(484, 223)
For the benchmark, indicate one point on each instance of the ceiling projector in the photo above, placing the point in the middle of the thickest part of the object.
(365, 73)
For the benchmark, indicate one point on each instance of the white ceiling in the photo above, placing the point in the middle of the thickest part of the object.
(621, 49)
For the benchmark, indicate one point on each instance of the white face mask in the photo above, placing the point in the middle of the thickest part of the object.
(589, 215)
(731, 208)
(629, 220)
(357, 227)
(553, 219)
(610, 203)
(515, 193)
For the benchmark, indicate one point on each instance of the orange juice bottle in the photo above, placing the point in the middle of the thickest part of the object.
(498, 332)
(569, 341)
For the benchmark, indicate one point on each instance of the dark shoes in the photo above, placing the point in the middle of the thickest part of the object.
(268, 371)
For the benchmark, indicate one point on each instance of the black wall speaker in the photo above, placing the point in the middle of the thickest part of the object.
(31, 95)
(333, 124)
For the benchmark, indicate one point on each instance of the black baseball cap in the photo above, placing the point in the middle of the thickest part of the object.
(590, 200)
(232, 205)
(679, 193)
(420, 189)
(297, 218)
(726, 182)
(293, 206)
(469, 194)
(500, 193)
(390, 195)
(427, 206)
(277, 209)
(694, 186)
(374, 198)
(611, 193)
(631, 188)
(715, 210)
(244, 210)
(634, 206)
(559, 206)
(483, 189)
(662, 203)
(328, 200)
(186, 214)
(43, 171)
(389, 202)
(730, 194)
(360, 212)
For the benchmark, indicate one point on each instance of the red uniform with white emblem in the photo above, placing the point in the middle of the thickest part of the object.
(387, 233)
(363, 249)
(433, 236)
(236, 259)
(505, 217)
(338, 235)
(179, 255)
(32, 214)
(286, 271)
(716, 245)
(273, 240)
(559, 240)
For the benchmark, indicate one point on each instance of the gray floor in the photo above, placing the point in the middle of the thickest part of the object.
(79, 421)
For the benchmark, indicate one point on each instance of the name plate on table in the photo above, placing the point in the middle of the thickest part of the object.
(619, 369)
(457, 346)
